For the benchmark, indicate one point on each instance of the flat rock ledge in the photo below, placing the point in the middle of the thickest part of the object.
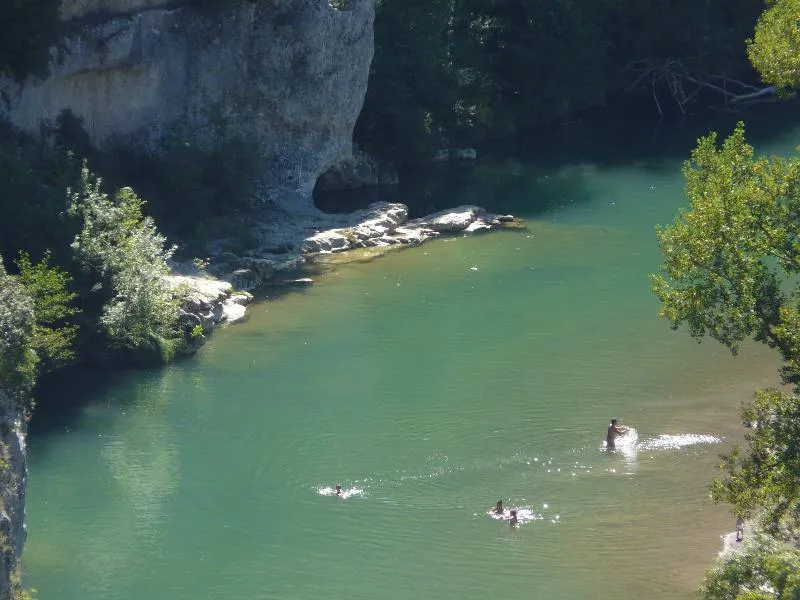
(209, 297)
(387, 224)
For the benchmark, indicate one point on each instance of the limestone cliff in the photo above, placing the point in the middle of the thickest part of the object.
(13, 476)
(289, 76)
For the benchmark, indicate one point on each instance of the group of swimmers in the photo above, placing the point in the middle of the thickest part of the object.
(512, 514)
(614, 431)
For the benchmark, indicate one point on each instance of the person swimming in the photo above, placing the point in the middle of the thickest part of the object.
(498, 508)
(513, 521)
(614, 431)
(338, 490)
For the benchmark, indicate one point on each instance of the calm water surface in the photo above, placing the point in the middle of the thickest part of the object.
(434, 381)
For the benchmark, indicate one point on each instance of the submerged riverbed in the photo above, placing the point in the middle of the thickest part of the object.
(429, 383)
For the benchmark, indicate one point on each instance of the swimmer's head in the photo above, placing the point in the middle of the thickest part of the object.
(613, 421)
(499, 503)
(513, 513)
(338, 489)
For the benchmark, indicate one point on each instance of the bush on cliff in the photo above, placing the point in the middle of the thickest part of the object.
(764, 569)
(127, 256)
(18, 362)
(54, 331)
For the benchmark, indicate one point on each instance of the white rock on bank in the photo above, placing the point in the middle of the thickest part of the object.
(233, 312)
(451, 220)
(199, 293)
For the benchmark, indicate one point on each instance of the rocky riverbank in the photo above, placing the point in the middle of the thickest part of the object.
(218, 292)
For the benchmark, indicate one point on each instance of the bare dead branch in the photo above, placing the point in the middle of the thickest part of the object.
(684, 85)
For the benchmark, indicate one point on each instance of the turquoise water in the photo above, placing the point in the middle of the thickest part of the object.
(433, 381)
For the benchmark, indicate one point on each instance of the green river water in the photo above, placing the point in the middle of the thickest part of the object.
(434, 381)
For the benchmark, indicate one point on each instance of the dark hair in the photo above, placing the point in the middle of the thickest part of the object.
(613, 421)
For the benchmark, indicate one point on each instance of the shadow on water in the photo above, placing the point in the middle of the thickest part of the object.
(62, 397)
(547, 168)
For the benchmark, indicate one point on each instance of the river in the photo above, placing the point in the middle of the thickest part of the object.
(429, 383)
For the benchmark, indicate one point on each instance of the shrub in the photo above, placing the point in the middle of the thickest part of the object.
(53, 334)
(18, 362)
(126, 252)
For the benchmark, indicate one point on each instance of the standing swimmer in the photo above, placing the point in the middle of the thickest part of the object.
(512, 520)
(498, 508)
(614, 431)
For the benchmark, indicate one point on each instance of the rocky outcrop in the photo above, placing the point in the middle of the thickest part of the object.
(205, 303)
(285, 245)
(13, 480)
(356, 171)
(287, 76)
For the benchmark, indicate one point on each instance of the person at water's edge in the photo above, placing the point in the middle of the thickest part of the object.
(614, 431)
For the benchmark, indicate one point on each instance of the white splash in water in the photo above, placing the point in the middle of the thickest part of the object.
(525, 514)
(344, 495)
(681, 440)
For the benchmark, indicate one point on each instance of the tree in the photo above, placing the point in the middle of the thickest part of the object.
(767, 476)
(775, 47)
(53, 333)
(730, 259)
(730, 271)
(125, 251)
(764, 570)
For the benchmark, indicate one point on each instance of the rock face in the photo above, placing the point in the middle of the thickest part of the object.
(13, 480)
(287, 76)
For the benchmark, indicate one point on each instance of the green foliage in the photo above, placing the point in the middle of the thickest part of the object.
(764, 569)
(28, 30)
(53, 333)
(730, 271)
(25, 594)
(126, 252)
(768, 474)
(729, 258)
(775, 47)
(18, 362)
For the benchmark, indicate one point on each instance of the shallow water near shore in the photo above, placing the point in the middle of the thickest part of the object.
(429, 383)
